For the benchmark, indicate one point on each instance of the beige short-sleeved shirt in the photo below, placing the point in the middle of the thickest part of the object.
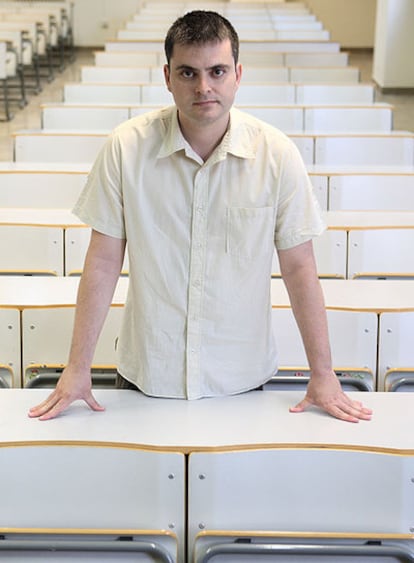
(201, 238)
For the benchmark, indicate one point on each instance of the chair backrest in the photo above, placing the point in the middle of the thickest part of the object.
(375, 118)
(381, 253)
(307, 59)
(94, 74)
(3, 65)
(100, 498)
(365, 150)
(265, 94)
(252, 74)
(40, 189)
(396, 351)
(47, 335)
(102, 93)
(285, 118)
(294, 489)
(345, 75)
(76, 245)
(64, 147)
(373, 192)
(334, 94)
(320, 188)
(330, 253)
(10, 368)
(83, 118)
(353, 337)
(31, 250)
(103, 58)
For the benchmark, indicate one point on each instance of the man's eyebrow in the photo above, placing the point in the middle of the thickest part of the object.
(212, 67)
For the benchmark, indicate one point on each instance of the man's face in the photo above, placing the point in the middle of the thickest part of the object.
(203, 80)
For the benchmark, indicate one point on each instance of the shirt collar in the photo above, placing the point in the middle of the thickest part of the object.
(173, 140)
(236, 141)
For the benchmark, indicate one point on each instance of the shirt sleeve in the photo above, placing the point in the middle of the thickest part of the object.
(100, 204)
(299, 216)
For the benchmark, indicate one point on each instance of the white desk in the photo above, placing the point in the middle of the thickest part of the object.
(258, 419)
(348, 220)
(350, 295)
(39, 217)
(254, 468)
(358, 295)
(31, 292)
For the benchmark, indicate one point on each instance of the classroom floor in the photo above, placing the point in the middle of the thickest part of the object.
(29, 117)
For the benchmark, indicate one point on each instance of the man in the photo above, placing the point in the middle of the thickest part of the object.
(201, 192)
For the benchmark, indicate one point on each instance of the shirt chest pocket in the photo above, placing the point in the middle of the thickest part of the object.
(250, 231)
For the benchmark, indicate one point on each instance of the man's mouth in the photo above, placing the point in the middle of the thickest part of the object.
(205, 102)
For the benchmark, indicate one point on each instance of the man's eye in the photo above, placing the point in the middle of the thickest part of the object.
(218, 72)
(187, 73)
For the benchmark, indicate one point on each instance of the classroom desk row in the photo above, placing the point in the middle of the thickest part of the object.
(251, 74)
(39, 39)
(48, 186)
(156, 45)
(393, 148)
(376, 117)
(257, 93)
(54, 242)
(370, 324)
(156, 59)
(277, 33)
(223, 480)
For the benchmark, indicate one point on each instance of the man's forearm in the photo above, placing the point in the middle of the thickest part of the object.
(96, 289)
(306, 298)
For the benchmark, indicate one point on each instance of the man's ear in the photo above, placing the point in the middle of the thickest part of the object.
(167, 76)
(239, 72)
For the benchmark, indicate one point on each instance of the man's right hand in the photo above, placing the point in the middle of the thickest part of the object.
(72, 386)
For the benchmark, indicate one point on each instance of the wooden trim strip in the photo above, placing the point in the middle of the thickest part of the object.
(189, 449)
(303, 535)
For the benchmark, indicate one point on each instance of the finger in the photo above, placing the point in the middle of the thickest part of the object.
(93, 403)
(44, 406)
(300, 407)
(55, 410)
(346, 410)
(342, 414)
(356, 408)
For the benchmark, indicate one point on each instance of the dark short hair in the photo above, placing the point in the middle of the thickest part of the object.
(200, 27)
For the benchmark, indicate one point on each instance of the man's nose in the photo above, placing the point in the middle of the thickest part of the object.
(203, 84)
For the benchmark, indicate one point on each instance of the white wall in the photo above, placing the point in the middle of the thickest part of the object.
(351, 22)
(394, 44)
(97, 21)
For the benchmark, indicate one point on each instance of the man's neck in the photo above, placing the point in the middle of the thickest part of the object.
(204, 138)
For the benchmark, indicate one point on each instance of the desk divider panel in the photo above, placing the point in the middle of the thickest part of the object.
(381, 253)
(76, 245)
(68, 148)
(83, 118)
(26, 249)
(371, 192)
(51, 189)
(365, 150)
(396, 351)
(353, 337)
(46, 338)
(103, 58)
(240, 494)
(82, 492)
(330, 253)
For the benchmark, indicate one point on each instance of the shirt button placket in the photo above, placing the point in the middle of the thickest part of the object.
(196, 283)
